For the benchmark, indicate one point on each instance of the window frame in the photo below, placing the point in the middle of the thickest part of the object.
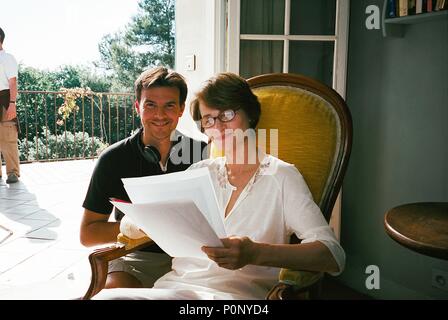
(340, 39)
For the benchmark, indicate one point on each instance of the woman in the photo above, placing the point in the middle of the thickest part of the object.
(263, 200)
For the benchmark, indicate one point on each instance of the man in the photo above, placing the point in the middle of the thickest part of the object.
(155, 149)
(8, 115)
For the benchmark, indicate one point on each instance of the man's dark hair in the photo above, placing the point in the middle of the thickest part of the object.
(161, 77)
(228, 91)
(2, 35)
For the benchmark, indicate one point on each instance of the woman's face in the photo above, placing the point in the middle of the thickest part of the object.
(221, 131)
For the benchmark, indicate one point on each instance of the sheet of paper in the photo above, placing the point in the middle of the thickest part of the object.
(195, 185)
(178, 227)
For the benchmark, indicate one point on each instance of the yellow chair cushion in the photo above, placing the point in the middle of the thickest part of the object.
(305, 139)
(301, 279)
(130, 243)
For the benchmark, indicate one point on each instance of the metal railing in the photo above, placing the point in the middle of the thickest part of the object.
(99, 120)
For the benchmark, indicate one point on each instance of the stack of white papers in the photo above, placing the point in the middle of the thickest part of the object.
(179, 211)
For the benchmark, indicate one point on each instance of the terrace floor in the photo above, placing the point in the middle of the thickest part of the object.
(43, 259)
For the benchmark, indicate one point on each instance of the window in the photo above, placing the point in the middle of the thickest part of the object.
(308, 37)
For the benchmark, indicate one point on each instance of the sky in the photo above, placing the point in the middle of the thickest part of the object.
(46, 34)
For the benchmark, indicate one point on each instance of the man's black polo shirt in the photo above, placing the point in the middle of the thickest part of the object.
(124, 159)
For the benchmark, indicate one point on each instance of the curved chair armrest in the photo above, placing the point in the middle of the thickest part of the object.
(285, 291)
(296, 285)
(99, 260)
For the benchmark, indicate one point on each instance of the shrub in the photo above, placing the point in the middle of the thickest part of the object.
(62, 146)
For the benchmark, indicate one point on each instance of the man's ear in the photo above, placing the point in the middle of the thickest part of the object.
(137, 106)
(182, 109)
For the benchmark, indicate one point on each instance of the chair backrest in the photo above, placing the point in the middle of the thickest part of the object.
(314, 130)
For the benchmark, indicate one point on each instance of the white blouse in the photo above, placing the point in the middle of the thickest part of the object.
(274, 204)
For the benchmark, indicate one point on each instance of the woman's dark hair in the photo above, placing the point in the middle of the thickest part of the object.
(227, 91)
(161, 77)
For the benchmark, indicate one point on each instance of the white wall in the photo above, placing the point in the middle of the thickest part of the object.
(195, 30)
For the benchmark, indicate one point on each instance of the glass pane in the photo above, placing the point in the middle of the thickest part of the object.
(259, 57)
(262, 17)
(316, 17)
(313, 59)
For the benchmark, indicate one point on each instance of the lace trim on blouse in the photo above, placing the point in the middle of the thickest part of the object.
(219, 168)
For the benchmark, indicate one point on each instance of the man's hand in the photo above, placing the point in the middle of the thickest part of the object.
(11, 112)
(237, 253)
(129, 229)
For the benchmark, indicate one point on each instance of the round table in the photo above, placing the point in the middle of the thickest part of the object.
(422, 227)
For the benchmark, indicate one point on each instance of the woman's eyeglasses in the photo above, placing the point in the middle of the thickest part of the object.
(224, 116)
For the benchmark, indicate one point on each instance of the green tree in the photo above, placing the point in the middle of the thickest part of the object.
(65, 77)
(148, 40)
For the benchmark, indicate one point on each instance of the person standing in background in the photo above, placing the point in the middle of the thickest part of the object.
(9, 128)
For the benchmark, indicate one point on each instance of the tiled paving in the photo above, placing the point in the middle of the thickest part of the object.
(43, 259)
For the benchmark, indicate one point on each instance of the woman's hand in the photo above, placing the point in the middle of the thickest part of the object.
(237, 253)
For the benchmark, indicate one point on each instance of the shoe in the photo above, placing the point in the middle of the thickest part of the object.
(12, 178)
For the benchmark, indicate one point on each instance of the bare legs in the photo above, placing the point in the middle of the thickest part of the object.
(121, 279)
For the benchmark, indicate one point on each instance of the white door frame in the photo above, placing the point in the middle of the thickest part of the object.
(219, 25)
(341, 44)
